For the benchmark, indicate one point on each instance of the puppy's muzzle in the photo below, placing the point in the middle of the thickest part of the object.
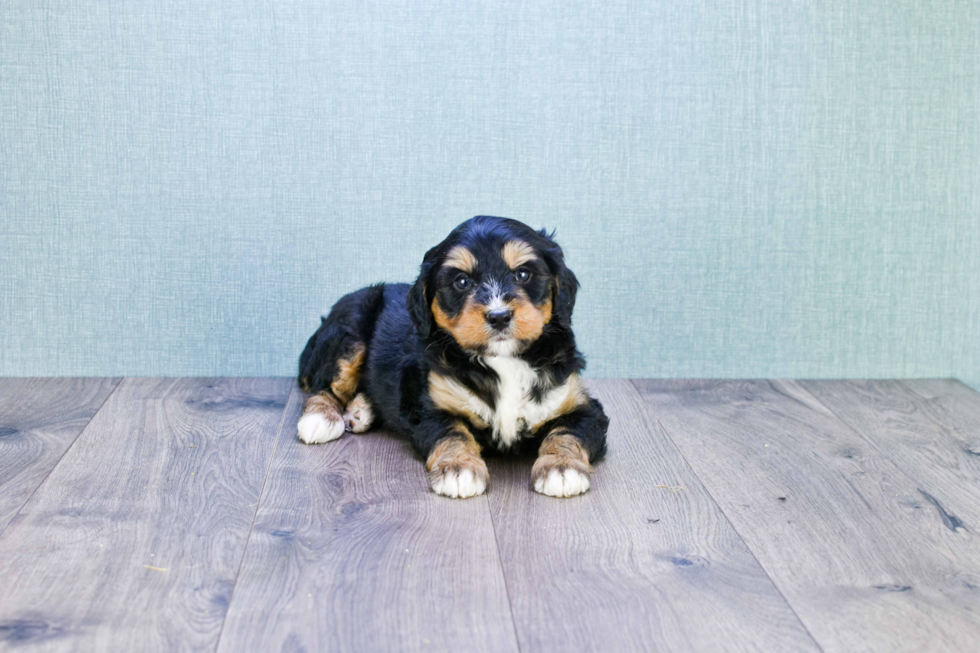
(499, 319)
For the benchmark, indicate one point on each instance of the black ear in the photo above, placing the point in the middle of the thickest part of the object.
(566, 285)
(418, 301)
(565, 302)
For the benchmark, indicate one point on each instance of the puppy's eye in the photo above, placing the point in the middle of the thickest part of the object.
(522, 274)
(462, 282)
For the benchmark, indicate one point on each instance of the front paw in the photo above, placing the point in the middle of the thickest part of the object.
(558, 481)
(456, 469)
(562, 468)
(460, 484)
(317, 428)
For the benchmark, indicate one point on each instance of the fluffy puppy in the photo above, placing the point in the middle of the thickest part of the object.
(478, 354)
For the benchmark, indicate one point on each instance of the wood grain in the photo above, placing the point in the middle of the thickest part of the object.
(351, 551)
(644, 561)
(135, 539)
(928, 428)
(845, 534)
(39, 419)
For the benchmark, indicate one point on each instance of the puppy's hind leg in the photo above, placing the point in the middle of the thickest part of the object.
(321, 420)
(331, 364)
(359, 414)
(323, 417)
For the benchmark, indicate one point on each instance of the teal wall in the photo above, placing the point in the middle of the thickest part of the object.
(745, 188)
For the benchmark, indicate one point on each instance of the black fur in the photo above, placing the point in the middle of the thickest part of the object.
(404, 343)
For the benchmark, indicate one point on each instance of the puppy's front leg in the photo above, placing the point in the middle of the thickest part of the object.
(563, 467)
(454, 464)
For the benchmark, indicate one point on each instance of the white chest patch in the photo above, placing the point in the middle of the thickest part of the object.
(516, 412)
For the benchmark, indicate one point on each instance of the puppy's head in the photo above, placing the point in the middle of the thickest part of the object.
(494, 285)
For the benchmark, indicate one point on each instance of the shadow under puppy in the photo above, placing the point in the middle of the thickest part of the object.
(477, 353)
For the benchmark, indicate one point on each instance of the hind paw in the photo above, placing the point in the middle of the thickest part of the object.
(358, 416)
(316, 428)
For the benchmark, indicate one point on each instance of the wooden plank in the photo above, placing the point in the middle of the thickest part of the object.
(39, 419)
(842, 531)
(351, 551)
(134, 541)
(644, 561)
(929, 428)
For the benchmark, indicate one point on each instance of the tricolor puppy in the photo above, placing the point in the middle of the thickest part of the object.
(477, 354)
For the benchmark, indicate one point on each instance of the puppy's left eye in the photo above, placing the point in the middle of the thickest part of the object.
(522, 274)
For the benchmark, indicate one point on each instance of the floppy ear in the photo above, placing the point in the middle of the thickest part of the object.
(418, 301)
(566, 284)
(567, 287)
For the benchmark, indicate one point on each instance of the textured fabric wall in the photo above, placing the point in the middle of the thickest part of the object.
(745, 188)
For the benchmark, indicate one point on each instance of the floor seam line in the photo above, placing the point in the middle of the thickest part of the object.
(503, 573)
(258, 505)
(727, 518)
(64, 453)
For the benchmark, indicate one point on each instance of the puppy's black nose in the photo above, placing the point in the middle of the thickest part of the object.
(500, 318)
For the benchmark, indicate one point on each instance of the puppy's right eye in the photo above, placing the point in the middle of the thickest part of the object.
(462, 282)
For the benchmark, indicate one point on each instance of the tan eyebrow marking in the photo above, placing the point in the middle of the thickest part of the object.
(516, 253)
(460, 258)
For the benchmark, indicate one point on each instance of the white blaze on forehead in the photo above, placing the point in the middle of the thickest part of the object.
(496, 296)
(502, 342)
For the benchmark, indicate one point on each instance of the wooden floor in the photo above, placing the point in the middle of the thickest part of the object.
(183, 514)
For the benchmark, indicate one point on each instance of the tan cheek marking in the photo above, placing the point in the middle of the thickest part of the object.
(560, 451)
(460, 258)
(529, 320)
(440, 316)
(546, 311)
(452, 398)
(469, 328)
(516, 253)
(575, 397)
(348, 374)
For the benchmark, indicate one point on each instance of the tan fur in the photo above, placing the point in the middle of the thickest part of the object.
(325, 404)
(560, 451)
(577, 396)
(546, 309)
(529, 320)
(449, 396)
(516, 253)
(469, 328)
(455, 453)
(348, 374)
(460, 258)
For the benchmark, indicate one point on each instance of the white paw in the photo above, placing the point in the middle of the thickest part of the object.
(314, 428)
(566, 483)
(459, 485)
(358, 416)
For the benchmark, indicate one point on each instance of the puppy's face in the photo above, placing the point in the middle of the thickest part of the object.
(493, 285)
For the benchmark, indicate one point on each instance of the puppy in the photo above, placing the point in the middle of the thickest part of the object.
(477, 354)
